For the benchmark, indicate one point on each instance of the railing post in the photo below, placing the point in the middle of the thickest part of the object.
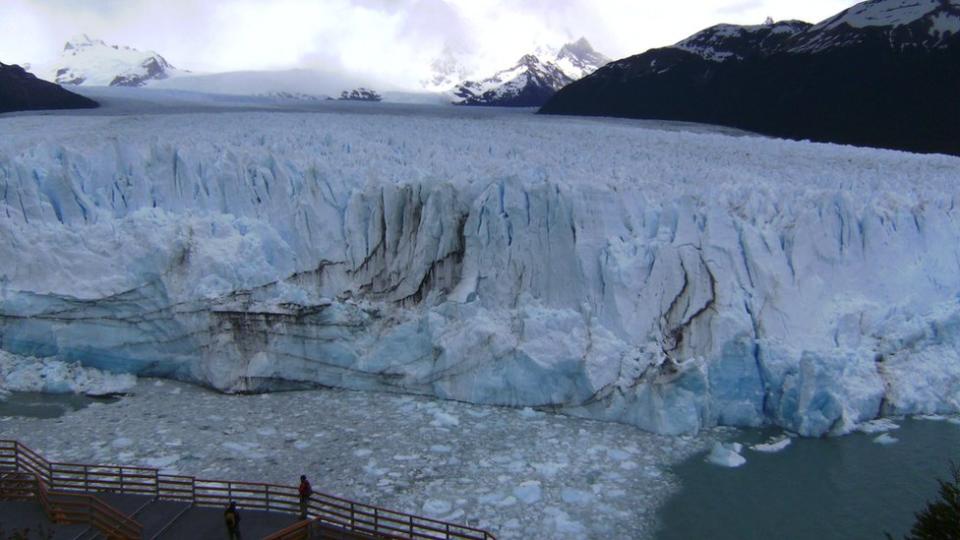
(156, 484)
(448, 531)
(86, 479)
(267, 489)
(376, 520)
(353, 522)
(121, 480)
(411, 526)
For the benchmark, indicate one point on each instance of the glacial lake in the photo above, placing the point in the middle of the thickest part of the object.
(832, 488)
(41, 405)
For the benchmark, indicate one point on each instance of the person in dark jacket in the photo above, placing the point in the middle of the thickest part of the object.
(305, 490)
(232, 518)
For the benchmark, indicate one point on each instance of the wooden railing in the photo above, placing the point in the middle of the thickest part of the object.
(323, 509)
(70, 508)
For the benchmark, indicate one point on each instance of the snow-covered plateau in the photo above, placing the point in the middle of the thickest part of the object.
(664, 278)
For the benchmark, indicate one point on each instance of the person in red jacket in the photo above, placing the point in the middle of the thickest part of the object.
(305, 490)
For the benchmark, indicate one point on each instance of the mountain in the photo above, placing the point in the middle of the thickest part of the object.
(91, 62)
(882, 73)
(360, 94)
(533, 79)
(23, 91)
(446, 71)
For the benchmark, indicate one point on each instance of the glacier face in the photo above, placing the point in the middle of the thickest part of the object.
(667, 279)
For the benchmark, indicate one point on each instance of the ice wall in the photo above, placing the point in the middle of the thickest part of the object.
(667, 279)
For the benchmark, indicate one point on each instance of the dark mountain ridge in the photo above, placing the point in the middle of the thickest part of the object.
(883, 73)
(23, 91)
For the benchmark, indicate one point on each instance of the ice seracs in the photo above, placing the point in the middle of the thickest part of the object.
(703, 279)
(92, 62)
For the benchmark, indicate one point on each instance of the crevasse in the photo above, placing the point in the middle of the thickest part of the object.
(663, 278)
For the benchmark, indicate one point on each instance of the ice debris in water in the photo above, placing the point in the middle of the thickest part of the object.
(880, 425)
(885, 439)
(27, 374)
(726, 455)
(774, 445)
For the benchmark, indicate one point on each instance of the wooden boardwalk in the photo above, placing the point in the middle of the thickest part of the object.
(82, 502)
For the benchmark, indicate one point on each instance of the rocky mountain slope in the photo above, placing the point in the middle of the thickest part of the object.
(533, 79)
(23, 91)
(881, 73)
(91, 62)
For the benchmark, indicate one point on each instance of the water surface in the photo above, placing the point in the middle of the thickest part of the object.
(835, 488)
(41, 405)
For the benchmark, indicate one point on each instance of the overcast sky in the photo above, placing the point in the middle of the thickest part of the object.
(395, 39)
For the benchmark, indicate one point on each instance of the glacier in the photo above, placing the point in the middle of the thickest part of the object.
(659, 275)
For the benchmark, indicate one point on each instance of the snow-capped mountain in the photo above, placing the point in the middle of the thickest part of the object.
(446, 71)
(578, 59)
(735, 42)
(21, 91)
(896, 24)
(533, 79)
(91, 62)
(529, 83)
(881, 73)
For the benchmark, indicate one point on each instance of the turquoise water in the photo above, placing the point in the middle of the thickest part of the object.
(40, 405)
(837, 488)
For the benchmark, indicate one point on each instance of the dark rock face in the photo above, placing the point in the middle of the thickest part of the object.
(360, 94)
(22, 91)
(845, 81)
(156, 69)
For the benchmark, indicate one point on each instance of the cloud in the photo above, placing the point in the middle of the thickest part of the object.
(396, 39)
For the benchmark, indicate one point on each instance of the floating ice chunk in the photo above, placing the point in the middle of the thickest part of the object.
(548, 469)
(161, 462)
(442, 419)
(726, 455)
(932, 417)
(301, 444)
(441, 448)
(576, 496)
(560, 525)
(772, 446)
(436, 507)
(617, 455)
(121, 442)
(528, 412)
(885, 439)
(266, 431)
(362, 452)
(880, 425)
(529, 492)
(954, 420)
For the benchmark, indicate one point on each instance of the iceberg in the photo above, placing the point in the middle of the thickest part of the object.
(633, 272)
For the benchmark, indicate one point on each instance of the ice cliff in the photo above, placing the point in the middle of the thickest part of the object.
(667, 279)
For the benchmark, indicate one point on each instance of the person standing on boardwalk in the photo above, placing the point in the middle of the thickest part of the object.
(232, 518)
(305, 490)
